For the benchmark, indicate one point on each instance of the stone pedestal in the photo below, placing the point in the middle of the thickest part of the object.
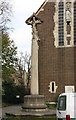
(34, 103)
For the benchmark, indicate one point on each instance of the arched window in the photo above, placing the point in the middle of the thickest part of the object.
(53, 86)
(65, 23)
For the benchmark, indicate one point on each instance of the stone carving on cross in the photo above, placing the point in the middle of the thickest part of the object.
(33, 21)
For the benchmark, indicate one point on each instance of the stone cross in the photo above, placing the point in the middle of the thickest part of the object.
(33, 21)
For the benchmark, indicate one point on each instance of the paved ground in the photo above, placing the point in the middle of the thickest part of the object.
(17, 110)
(11, 109)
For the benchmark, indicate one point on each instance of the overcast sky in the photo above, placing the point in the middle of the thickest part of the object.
(22, 9)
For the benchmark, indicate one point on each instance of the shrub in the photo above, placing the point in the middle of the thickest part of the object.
(13, 93)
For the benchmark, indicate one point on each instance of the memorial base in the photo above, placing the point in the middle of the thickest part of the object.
(34, 103)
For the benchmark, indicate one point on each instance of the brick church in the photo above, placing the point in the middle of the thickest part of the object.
(57, 48)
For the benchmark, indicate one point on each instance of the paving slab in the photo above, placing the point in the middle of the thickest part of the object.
(17, 110)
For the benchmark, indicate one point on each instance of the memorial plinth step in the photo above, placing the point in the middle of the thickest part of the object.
(34, 103)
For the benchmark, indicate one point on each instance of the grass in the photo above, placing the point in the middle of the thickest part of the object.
(33, 118)
(51, 106)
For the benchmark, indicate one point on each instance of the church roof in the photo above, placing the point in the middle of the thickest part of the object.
(41, 7)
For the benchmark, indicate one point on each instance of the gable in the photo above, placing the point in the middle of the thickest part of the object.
(42, 7)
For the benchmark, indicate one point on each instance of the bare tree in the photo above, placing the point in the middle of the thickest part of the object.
(25, 66)
(5, 14)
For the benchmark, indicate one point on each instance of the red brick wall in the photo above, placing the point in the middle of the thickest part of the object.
(75, 67)
(55, 64)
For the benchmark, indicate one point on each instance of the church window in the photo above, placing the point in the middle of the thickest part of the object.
(75, 23)
(61, 23)
(53, 86)
(65, 23)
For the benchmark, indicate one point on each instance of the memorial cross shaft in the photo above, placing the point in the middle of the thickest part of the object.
(33, 21)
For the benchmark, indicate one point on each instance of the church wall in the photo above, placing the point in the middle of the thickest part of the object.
(75, 67)
(55, 64)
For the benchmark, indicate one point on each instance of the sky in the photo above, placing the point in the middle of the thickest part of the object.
(22, 33)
